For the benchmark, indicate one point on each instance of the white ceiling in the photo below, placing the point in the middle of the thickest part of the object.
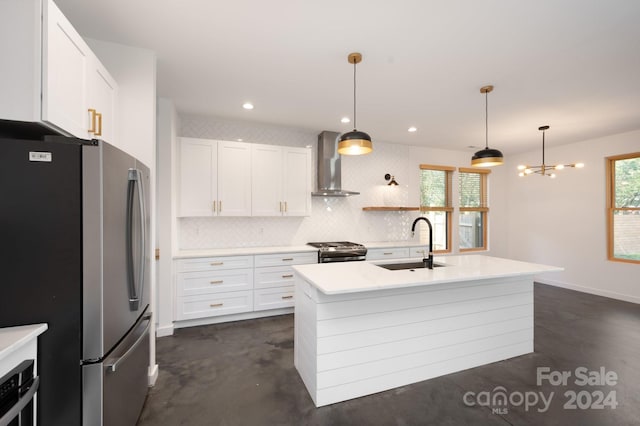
(571, 64)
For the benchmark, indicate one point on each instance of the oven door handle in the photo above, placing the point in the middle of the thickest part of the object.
(22, 402)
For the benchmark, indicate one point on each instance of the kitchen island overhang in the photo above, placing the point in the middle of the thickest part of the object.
(361, 329)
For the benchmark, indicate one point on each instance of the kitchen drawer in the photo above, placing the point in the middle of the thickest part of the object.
(211, 305)
(214, 263)
(422, 251)
(280, 259)
(206, 282)
(275, 276)
(273, 298)
(388, 253)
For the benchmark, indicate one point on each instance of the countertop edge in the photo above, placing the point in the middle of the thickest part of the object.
(13, 338)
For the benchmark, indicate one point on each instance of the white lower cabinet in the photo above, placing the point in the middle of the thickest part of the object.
(226, 285)
(213, 286)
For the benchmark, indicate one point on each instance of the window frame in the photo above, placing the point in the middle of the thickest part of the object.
(483, 208)
(611, 204)
(448, 207)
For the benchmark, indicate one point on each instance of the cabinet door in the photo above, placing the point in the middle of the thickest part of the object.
(102, 100)
(266, 178)
(297, 181)
(198, 182)
(65, 58)
(234, 179)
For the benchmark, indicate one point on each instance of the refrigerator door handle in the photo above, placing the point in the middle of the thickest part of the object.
(113, 365)
(135, 175)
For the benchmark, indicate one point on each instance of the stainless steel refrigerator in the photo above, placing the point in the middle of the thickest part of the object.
(74, 226)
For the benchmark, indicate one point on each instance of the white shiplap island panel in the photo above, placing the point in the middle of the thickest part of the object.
(361, 329)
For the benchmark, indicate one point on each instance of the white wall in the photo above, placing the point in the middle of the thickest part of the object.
(562, 221)
(332, 218)
(166, 229)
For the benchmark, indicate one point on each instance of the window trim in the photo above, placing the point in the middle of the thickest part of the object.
(448, 208)
(611, 204)
(484, 208)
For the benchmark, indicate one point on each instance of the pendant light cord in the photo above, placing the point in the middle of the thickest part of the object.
(486, 120)
(354, 95)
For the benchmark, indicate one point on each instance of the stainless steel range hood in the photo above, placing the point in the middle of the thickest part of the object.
(329, 167)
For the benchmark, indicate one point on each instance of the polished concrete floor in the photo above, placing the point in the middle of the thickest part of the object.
(242, 373)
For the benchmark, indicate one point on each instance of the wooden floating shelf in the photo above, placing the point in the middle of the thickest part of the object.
(390, 209)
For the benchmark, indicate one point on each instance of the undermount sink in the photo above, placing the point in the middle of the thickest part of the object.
(407, 265)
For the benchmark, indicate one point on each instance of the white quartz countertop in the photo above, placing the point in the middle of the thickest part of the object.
(354, 277)
(246, 251)
(13, 338)
(242, 251)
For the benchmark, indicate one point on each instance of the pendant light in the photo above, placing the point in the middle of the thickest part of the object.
(487, 157)
(354, 142)
(543, 169)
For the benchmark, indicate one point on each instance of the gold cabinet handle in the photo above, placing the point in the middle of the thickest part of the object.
(216, 263)
(93, 120)
(219, 206)
(280, 206)
(216, 282)
(287, 297)
(216, 305)
(285, 206)
(98, 131)
(287, 259)
(288, 276)
(387, 254)
(214, 207)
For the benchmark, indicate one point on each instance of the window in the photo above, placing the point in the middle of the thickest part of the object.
(472, 191)
(435, 205)
(623, 208)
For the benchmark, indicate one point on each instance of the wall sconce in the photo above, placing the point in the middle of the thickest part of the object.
(393, 182)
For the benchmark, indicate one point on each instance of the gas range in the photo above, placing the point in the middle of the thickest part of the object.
(340, 251)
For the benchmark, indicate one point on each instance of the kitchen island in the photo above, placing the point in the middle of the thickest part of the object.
(362, 329)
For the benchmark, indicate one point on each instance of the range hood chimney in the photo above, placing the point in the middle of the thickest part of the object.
(330, 167)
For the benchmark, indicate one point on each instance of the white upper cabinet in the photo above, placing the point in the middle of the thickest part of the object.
(297, 181)
(215, 178)
(234, 179)
(51, 75)
(281, 179)
(198, 177)
(266, 176)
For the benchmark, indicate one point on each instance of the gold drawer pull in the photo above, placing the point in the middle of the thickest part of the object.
(387, 254)
(216, 305)
(287, 259)
(93, 120)
(216, 282)
(216, 263)
(288, 276)
(287, 297)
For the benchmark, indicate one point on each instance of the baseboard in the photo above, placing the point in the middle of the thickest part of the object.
(233, 317)
(164, 331)
(591, 290)
(153, 375)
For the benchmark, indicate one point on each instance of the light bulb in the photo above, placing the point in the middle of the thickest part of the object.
(528, 171)
(559, 167)
(522, 167)
(579, 165)
(520, 174)
(552, 175)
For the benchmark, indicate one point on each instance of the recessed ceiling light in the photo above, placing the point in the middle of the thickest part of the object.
(412, 129)
(247, 105)
(345, 120)
(239, 140)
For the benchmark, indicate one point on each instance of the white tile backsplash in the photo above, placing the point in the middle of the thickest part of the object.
(332, 219)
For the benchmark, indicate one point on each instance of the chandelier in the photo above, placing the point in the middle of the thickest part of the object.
(544, 169)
